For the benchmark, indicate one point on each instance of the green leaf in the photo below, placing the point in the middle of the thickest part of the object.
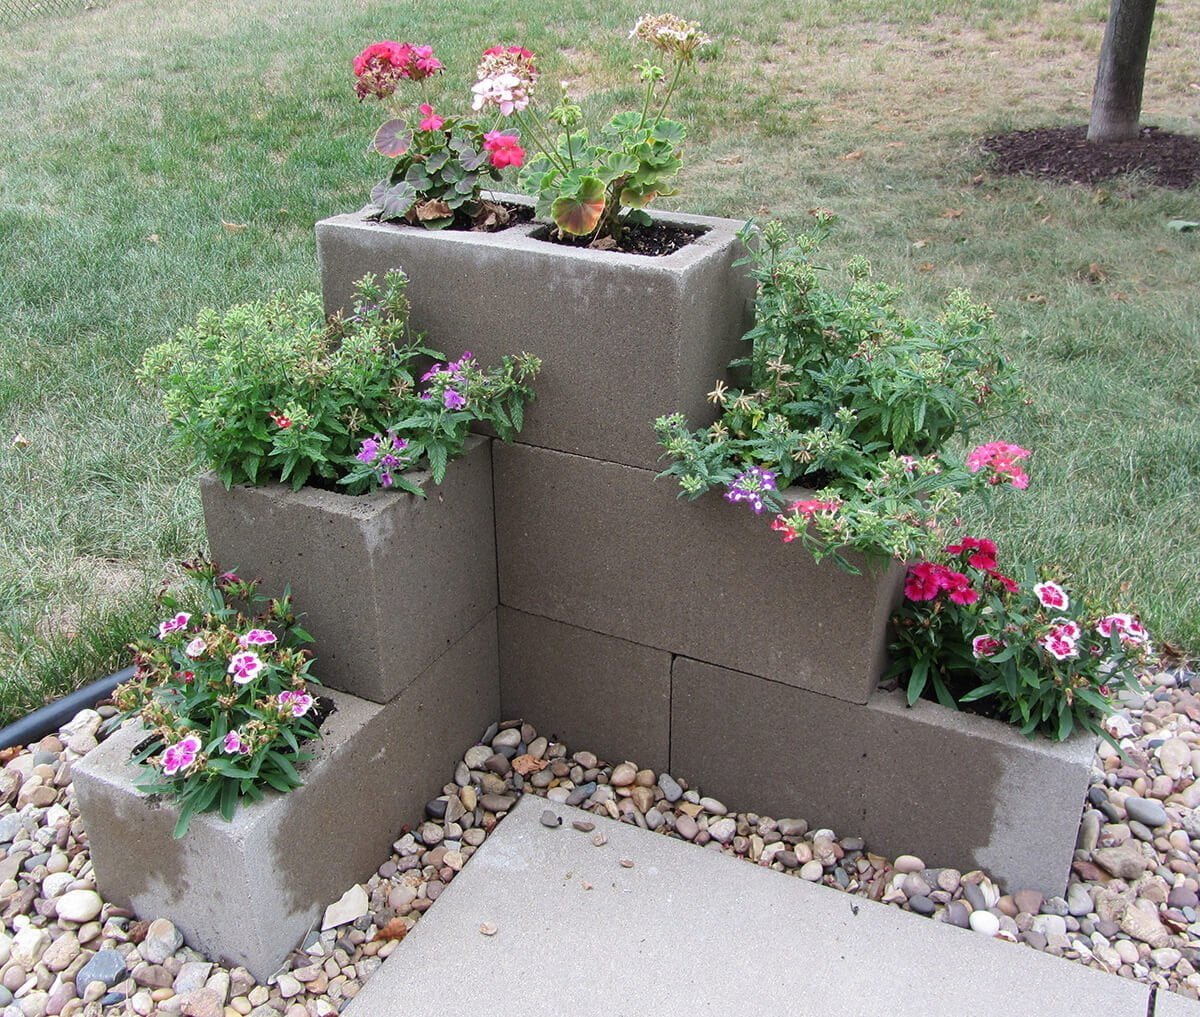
(1183, 225)
(229, 800)
(277, 781)
(670, 131)
(579, 214)
(438, 460)
(916, 682)
(392, 139)
(1066, 722)
(285, 766)
(228, 768)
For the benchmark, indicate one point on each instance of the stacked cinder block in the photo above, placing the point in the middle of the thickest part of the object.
(556, 580)
(400, 596)
(682, 634)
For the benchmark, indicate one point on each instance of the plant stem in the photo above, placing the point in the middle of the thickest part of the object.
(670, 90)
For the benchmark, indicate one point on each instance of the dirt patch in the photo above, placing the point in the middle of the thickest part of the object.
(1063, 153)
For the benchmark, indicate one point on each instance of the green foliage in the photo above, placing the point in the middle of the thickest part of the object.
(585, 177)
(437, 425)
(1046, 662)
(273, 391)
(437, 176)
(225, 697)
(848, 396)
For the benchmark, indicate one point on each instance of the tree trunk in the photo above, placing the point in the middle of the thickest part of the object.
(1117, 97)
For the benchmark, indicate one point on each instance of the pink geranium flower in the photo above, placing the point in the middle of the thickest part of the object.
(431, 121)
(1052, 596)
(504, 148)
(245, 667)
(256, 637)
(195, 648)
(176, 624)
(181, 755)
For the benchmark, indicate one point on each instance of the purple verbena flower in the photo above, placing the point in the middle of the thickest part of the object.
(750, 486)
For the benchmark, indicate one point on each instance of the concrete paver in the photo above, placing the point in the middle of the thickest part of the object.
(687, 931)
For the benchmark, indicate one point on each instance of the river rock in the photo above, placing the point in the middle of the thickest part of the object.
(1125, 861)
(1145, 810)
(61, 952)
(106, 966)
(79, 905)
(162, 940)
(1141, 924)
(352, 905)
(28, 945)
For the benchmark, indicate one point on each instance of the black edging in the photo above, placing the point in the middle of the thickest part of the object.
(49, 718)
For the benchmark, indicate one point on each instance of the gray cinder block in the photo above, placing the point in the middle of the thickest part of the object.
(247, 891)
(954, 789)
(593, 691)
(387, 581)
(605, 547)
(623, 338)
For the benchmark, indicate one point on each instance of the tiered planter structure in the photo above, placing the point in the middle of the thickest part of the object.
(594, 603)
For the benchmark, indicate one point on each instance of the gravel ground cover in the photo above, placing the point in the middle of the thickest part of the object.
(1131, 907)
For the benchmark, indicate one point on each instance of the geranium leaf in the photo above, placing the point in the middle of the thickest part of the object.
(392, 139)
(578, 214)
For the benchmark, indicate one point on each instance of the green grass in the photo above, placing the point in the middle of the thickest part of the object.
(152, 169)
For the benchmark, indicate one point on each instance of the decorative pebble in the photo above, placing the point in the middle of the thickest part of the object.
(551, 818)
(984, 922)
(1147, 811)
(352, 905)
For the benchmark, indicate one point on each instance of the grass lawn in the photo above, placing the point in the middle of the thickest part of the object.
(158, 160)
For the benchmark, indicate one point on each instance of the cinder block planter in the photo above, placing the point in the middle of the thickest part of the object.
(593, 691)
(387, 580)
(604, 547)
(623, 338)
(955, 789)
(246, 892)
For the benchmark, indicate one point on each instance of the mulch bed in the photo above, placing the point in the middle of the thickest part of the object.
(1063, 154)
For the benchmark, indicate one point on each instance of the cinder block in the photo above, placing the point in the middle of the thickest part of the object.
(247, 891)
(387, 581)
(595, 692)
(606, 547)
(954, 789)
(623, 338)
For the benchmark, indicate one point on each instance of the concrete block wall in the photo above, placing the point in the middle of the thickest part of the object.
(683, 634)
(247, 891)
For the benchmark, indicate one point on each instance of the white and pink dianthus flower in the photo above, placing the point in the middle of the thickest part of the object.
(180, 756)
(245, 667)
(1052, 596)
(296, 703)
(176, 624)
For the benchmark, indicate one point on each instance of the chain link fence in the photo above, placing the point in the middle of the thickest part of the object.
(18, 12)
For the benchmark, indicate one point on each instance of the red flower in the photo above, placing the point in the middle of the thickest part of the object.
(927, 579)
(382, 65)
(280, 419)
(504, 148)
(922, 583)
(788, 530)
